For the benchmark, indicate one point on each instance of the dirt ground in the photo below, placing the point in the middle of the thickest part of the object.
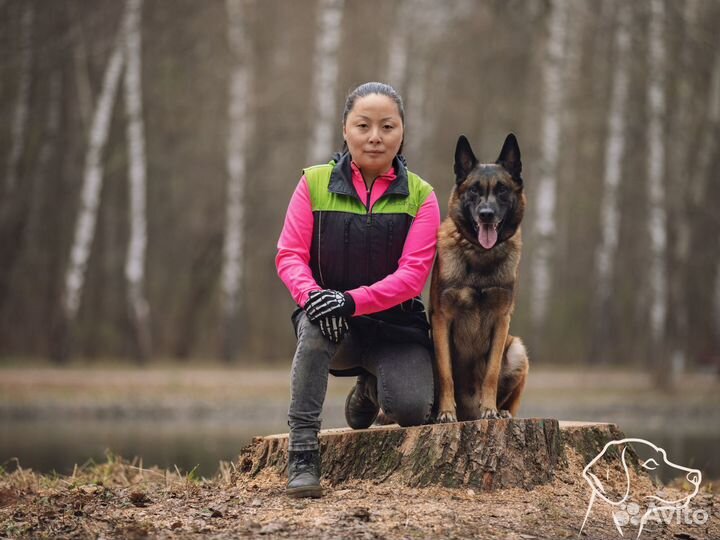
(118, 499)
(121, 499)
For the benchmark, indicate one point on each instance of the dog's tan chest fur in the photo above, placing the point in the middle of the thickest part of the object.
(462, 265)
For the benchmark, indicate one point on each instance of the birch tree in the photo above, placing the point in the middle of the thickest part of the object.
(572, 127)
(29, 206)
(707, 152)
(657, 220)
(239, 119)
(82, 77)
(92, 184)
(429, 20)
(48, 148)
(325, 80)
(545, 198)
(614, 153)
(12, 199)
(679, 191)
(416, 105)
(135, 258)
(20, 111)
(396, 72)
(709, 142)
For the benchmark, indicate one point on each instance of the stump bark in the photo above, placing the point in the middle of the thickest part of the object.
(483, 454)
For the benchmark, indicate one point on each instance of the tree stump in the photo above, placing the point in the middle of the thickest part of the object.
(483, 454)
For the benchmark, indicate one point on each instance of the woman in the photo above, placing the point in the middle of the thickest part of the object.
(355, 251)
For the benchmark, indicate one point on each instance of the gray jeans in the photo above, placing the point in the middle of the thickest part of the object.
(403, 370)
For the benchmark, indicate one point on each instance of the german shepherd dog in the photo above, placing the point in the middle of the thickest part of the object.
(481, 369)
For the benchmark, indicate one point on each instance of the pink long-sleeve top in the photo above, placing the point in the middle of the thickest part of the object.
(293, 257)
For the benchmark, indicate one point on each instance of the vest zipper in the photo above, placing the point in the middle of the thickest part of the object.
(319, 243)
(346, 258)
(388, 247)
(367, 234)
(369, 214)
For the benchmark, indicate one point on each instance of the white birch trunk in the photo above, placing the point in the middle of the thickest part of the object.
(82, 77)
(614, 154)
(20, 113)
(239, 118)
(716, 303)
(709, 143)
(396, 73)
(681, 128)
(420, 16)
(52, 126)
(708, 149)
(657, 221)
(416, 108)
(545, 198)
(49, 144)
(92, 181)
(325, 81)
(680, 191)
(572, 118)
(135, 257)
(429, 21)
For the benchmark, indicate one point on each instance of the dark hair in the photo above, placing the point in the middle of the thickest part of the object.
(367, 89)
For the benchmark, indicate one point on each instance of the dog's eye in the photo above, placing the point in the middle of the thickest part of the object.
(501, 190)
(651, 464)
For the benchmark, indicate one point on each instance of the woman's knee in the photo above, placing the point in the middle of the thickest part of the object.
(412, 412)
(405, 385)
(309, 335)
(313, 352)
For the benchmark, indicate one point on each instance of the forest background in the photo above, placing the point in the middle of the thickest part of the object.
(148, 151)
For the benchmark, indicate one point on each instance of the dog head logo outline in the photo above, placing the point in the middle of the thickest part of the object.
(613, 456)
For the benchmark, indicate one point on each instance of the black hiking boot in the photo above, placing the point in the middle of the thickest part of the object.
(361, 405)
(304, 474)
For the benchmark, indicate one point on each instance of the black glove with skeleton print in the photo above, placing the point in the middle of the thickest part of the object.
(328, 302)
(333, 327)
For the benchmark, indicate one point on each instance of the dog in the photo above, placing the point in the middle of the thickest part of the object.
(613, 481)
(480, 369)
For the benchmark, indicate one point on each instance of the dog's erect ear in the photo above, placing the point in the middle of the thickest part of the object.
(510, 158)
(465, 160)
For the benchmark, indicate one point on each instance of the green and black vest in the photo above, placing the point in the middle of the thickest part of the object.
(354, 245)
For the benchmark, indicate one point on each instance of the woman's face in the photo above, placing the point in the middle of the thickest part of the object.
(373, 132)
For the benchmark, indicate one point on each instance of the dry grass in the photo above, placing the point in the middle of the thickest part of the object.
(121, 499)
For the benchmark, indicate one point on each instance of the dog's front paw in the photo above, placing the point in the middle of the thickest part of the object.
(446, 417)
(487, 413)
(504, 413)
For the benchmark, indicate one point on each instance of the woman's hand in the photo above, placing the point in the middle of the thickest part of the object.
(328, 302)
(333, 327)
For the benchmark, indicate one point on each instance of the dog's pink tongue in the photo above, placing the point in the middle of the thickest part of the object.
(487, 236)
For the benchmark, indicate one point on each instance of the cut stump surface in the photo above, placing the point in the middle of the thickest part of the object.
(483, 454)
